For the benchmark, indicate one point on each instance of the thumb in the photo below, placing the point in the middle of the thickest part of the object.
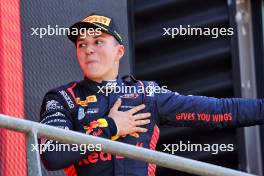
(117, 104)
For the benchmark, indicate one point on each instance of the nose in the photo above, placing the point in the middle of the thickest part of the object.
(89, 49)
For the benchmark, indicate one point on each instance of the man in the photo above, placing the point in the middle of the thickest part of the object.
(93, 106)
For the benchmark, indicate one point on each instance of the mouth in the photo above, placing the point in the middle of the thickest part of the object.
(91, 62)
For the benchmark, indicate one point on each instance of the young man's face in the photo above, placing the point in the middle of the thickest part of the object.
(99, 56)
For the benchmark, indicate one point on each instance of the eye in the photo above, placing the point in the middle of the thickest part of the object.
(81, 45)
(99, 42)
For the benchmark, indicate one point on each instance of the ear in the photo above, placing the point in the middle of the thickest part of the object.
(120, 51)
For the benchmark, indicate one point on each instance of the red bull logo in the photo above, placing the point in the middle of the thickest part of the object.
(102, 156)
(134, 134)
(103, 123)
(97, 156)
(95, 124)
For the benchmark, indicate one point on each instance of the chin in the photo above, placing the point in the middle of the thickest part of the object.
(91, 72)
(93, 76)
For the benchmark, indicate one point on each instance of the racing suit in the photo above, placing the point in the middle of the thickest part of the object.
(83, 106)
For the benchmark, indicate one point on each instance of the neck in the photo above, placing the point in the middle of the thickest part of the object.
(105, 78)
(108, 76)
(101, 80)
(112, 75)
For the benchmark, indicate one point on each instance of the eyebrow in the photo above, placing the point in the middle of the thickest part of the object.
(97, 36)
(80, 39)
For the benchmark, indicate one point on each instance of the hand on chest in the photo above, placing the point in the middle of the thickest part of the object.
(93, 107)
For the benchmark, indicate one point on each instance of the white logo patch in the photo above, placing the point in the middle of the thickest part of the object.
(53, 105)
(81, 113)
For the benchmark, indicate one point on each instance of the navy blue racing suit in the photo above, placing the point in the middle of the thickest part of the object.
(84, 106)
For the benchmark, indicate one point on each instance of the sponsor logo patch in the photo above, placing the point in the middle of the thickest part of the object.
(81, 113)
(92, 110)
(132, 95)
(127, 107)
(67, 98)
(89, 99)
(94, 124)
(53, 105)
(98, 19)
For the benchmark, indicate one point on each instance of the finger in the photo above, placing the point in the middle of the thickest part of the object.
(117, 104)
(136, 109)
(142, 122)
(141, 116)
(140, 130)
